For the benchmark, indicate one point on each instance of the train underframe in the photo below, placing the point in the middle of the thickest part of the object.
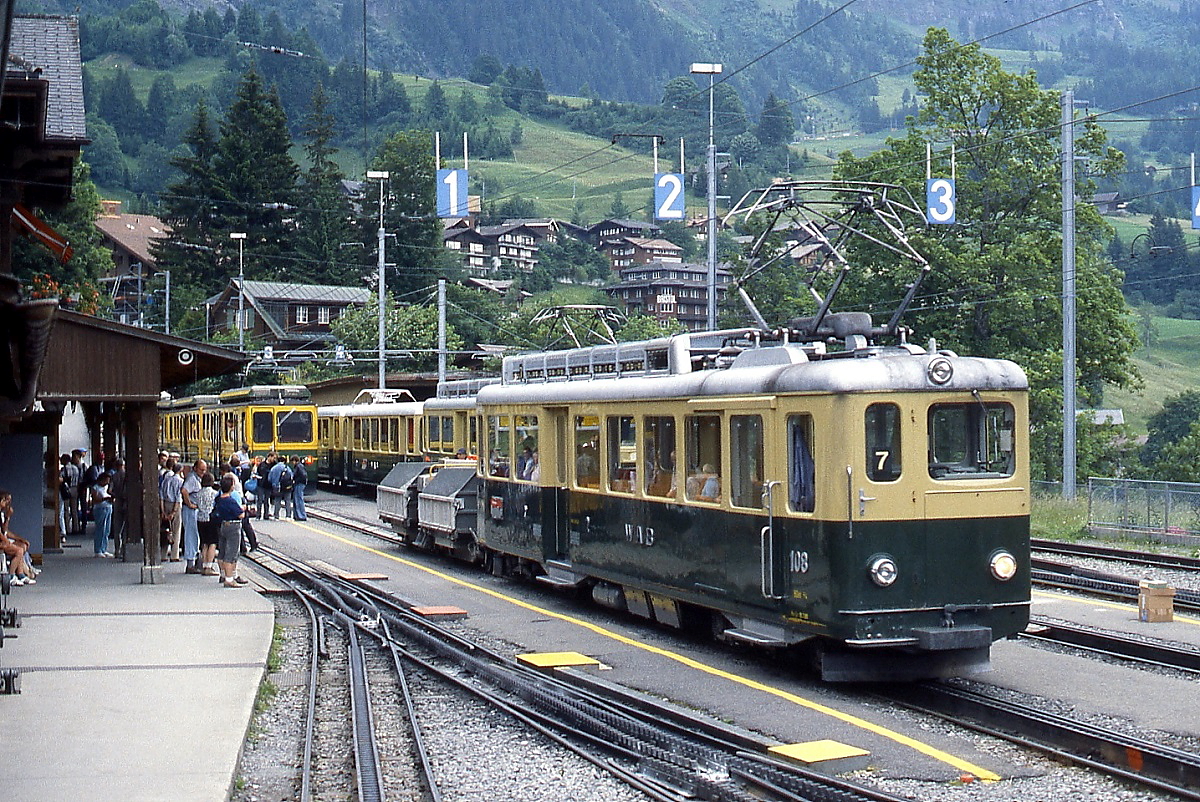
(558, 539)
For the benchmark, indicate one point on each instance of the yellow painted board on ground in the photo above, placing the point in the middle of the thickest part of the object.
(811, 752)
(557, 659)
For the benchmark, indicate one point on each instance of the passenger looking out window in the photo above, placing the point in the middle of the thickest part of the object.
(702, 434)
(587, 451)
(659, 437)
(622, 444)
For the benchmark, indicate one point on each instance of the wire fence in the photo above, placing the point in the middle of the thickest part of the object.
(1167, 512)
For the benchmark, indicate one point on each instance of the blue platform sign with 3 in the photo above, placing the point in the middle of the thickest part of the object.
(940, 201)
(452, 193)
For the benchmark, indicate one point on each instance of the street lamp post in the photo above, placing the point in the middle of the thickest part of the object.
(382, 176)
(241, 238)
(711, 70)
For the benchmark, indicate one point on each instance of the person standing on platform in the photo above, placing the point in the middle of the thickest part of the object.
(229, 512)
(70, 476)
(299, 483)
(206, 523)
(262, 472)
(101, 514)
(118, 487)
(170, 494)
(281, 487)
(191, 533)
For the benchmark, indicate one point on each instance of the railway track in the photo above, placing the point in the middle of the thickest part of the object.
(661, 752)
(1112, 644)
(1133, 759)
(1101, 583)
(1169, 561)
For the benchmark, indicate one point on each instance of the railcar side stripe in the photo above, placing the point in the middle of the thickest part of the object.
(937, 754)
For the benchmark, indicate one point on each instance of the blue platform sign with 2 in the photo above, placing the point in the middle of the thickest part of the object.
(940, 201)
(668, 196)
(452, 193)
(1195, 207)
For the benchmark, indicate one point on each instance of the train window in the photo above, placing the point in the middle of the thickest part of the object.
(971, 441)
(412, 435)
(527, 446)
(499, 445)
(357, 441)
(295, 426)
(394, 435)
(587, 451)
(447, 434)
(622, 453)
(262, 427)
(801, 470)
(434, 425)
(883, 442)
(746, 461)
(473, 438)
(658, 434)
(373, 428)
(702, 434)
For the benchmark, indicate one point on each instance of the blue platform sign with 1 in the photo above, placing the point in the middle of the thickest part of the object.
(940, 200)
(1195, 207)
(452, 193)
(668, 196)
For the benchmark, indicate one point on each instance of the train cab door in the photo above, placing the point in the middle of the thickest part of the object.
(555, 526)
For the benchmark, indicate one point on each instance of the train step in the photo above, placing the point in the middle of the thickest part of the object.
(753, 638)
(560, 575)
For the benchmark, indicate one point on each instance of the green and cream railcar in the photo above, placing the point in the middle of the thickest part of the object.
(360, 442)
(266, 418)
(452, 421)
(869, 505)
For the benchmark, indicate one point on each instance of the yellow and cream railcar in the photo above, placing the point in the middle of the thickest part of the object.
(264, 418)
(360, 442)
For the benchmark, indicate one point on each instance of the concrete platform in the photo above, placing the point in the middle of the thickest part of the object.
(130, 691)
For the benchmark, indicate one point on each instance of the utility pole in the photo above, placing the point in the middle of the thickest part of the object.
(441, 301)
(1068, 300)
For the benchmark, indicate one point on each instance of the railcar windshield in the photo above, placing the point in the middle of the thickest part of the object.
(262, 426)
(971, 441)
(295, 426)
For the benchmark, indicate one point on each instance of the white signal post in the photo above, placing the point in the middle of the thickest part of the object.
(240, 236)
(711, 70)
(382, 176)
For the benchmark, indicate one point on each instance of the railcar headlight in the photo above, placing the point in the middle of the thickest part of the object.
(883, 570)
(1003, 565)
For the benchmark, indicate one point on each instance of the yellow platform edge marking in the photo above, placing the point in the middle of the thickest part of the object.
(811, 752)
(928, 750)
(557, 659)
(1047, 595)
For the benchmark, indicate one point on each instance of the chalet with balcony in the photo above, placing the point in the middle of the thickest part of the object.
(629, 251)
(288, 317)
(614, 229)
(669, 291)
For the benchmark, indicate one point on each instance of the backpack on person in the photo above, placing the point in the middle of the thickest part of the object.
(285, 479)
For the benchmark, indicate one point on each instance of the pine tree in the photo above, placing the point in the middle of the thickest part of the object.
(326, 219)
(258, 175)
(198, 232)
(775, 126)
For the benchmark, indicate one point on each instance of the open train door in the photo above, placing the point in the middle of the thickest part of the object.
(555, 527)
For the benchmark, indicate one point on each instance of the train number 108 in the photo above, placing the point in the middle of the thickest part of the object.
(799, 561)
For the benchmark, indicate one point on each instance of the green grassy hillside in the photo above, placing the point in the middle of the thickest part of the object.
(1168, 367)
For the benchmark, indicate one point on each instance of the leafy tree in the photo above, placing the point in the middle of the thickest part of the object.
(412, 327)
(76, 281)
(411, 212)
(1179, 461)
(485, 70)
(1169, 425)
(995, 283)
(644, 327)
